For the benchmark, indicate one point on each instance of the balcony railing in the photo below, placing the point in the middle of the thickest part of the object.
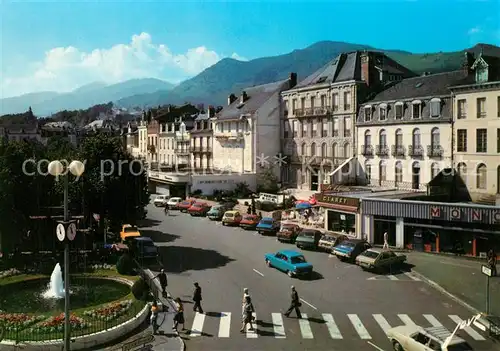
(398, 150)
(182, 151)
(435, 151)
(228, 135)
(312, 111)
(382, 150)
(366, 150)
(416, 151)
(200, 149)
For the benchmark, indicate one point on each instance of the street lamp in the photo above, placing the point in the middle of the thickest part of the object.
(66, 232)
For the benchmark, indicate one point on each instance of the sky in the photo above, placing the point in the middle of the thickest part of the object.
(62, 45)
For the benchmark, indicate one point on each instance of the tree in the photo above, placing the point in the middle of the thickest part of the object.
(267, 182)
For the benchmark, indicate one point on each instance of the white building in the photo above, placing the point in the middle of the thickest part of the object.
(202, 142)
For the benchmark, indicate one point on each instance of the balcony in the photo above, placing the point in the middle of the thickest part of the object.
(367, 150)
(200, 149)
(182, 151)
(312, 111)
(229, 135)
(416, 151)
(382, 150)
(398, 151)
(435, 151)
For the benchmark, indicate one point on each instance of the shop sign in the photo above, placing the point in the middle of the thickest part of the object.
(456, 214)
(332, 188)
(435, 212)
(337, 200)
(496, 217)
(476, 215)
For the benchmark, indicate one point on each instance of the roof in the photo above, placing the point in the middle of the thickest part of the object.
(290, 253)
(201, 117)
(257, 96)
(423, 86)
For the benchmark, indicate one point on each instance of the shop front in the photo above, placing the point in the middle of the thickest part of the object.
(432, 226)
(341, 213)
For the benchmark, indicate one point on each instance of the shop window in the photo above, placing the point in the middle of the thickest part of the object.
(481, 176)
(341, 222)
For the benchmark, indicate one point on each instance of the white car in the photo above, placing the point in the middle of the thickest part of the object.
(415, 338)
(173, 202)
(161, 200)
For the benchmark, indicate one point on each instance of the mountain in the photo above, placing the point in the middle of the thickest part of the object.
(214, 84)
(81, 98)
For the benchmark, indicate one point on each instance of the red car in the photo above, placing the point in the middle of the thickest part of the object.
(185, 205)
(288, 233)
(199, 209)
(249, 221)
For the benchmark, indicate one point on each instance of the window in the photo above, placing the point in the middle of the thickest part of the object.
(323, 100)
(481, 176)
(312, 101)
(347, 152)
(398, 172)
(481, 140)
(383, 113)
(416, 110)
(302, 103)
(382, 171)
(335, 127)
(324, 150)
(435, 138)
(334, 150)
(314, 129)
(416, 138)
(324, 130)
(462, 170)
(347, 100)
(481, 74)
(335, 102)
(399, 110)
(498, 140)
(295, 129)
(368, 138)
(313, 149)
(435, 107)
(294, 105)
(461, 109)
(368, 171)
(462, 140)
(481, 107)
(368, 113)
(286, 131)
(434, 170)
(498, 106)
(347, 127)
(382, 139)
(304, 130)
(303, 149)
(399, 138)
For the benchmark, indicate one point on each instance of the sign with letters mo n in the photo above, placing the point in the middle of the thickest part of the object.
(461, 325)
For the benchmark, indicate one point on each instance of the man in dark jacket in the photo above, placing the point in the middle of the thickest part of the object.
(162, 277)
(492, 262)
(197, 298)
(294, 304)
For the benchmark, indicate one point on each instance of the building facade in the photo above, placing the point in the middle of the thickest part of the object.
(202, 142)
(477, 130)
(404, 133)
(318, 133)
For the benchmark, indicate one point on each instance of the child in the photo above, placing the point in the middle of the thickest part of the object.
(179, 316)
(154, 316)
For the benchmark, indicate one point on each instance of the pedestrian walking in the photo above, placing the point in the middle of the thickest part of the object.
(154, 317)
(386, 241)
(179, 315)
(492, 262)
(243, 303)
(197, 298)
(162, 277)
(294, 304)
(247, 314)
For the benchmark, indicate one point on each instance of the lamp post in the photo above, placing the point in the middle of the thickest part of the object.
(66, 232)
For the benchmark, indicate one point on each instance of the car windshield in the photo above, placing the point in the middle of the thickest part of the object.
(249, 218)
(348, 244)
(130, 230)
(307, 234)
(186, 203)
(329, 238)
(229, 215)
(288, 227)
(297, 259)
(197, 205)
(463, 346)
(371, 254)
(218, 207)
(266, 221)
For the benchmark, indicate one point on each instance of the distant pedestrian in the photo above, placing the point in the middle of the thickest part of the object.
(243, 303)
(162, 277)
(492, 262)
(249, 210)
(154, 317)
(197, 298)
(294, 304)
(386, 241)
(247, 314)
(179, 315)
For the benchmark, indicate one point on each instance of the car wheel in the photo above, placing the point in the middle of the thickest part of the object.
(397, 346)
(290, 274)
(269, 264)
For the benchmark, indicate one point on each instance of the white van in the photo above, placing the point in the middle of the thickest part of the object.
(161, 200)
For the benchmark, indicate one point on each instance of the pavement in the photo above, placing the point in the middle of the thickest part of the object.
(344, 308)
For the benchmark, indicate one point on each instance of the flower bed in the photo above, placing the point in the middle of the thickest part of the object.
(9, 273)
(111, 311)
(56, 324)
(18, 321)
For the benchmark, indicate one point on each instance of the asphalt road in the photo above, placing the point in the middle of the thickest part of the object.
(346, 308)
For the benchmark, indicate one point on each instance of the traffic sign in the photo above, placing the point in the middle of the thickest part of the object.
(486, 270)
(61, 232)
(71, 231)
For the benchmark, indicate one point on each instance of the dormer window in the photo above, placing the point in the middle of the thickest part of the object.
(368, 113)
(481, 74)
(435, 107)
(398, 110)
(382, 112)
(416, 109)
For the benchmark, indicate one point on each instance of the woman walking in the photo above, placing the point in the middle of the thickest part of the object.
(179, 316)
(247, 314)
(154, 317)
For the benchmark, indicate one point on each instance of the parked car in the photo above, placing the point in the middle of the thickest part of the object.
(142, 247)
(129, 230)
(249, 221)
(329, 241)
(350, 249)
(379, 260)
(161, 200)
(416, 338)
(228, 203)
(291, 262)
(308, 239)
(173, 202)
(268, 225)
(288, 232)
(216, 212)
(231, 218)
(185, 205)
(199, 209)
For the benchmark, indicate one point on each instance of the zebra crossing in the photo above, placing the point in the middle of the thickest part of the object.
(403, 276)
(364, 329)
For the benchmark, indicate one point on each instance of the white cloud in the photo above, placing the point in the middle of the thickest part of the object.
(67, 68)
(474, 30)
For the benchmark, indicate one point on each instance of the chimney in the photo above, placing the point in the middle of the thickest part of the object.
(468, 62)
(230, 99)
(243, 97)
(209, 112)
(365, 67)
(293, 80)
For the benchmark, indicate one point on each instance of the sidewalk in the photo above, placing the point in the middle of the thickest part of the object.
(460, 277)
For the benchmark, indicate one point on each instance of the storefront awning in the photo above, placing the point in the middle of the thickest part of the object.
(345, 208)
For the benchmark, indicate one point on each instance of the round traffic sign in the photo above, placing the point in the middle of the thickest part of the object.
(71, 231)
(61, 232)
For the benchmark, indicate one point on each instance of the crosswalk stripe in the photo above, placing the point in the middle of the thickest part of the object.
(392, 277)
(198, 321)
(406, 319)
(432, 320)
(332, 327)
(279, 329)
(474, 334)
(252, 334)
(360, 328)
(224, 324)
(408, 274)
(305, 327)
(382, 322)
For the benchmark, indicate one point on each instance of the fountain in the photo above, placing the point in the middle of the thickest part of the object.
(55, 288)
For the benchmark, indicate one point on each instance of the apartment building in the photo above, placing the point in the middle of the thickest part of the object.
(318, 122)
(142, 133)
(404, 133)
(477, 129)
(153, 130)
(202, 141)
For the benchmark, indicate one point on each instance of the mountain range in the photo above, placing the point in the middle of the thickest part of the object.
(214, 84)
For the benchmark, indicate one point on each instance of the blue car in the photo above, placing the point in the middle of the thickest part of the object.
(348, 250)
(268, 225)
(291, 262)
